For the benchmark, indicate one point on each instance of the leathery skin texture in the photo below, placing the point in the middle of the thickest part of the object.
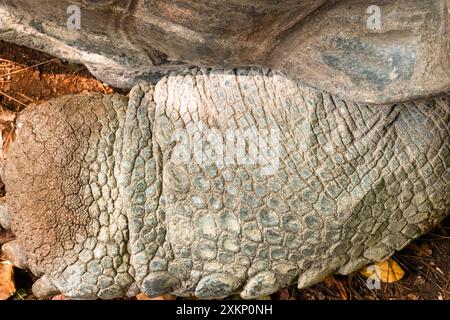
(102, 206)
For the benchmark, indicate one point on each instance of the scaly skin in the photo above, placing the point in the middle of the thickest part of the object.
(102, 208)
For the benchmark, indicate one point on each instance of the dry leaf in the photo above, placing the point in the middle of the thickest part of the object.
(419, 281)
(387, 271)
(7, 131)
(329, 282)
(6, 115)
(342, 290)
(425, 249)
(7, 287)
(412, 296)
(143, 296)
(283, 294)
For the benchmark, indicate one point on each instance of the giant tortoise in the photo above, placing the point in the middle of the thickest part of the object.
(263, 143)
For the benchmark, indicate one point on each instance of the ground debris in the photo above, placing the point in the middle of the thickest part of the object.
(387, 271)
(143, 296)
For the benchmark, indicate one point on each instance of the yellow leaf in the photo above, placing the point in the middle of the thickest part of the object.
(7, 287)
(387, 271)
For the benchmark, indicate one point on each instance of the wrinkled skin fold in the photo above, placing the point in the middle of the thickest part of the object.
(326, 44)
(101, 208)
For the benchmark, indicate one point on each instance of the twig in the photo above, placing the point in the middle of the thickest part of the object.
(103, 87)
(27, 68)
(370, 290)
(13, 99)
(426, 275)
(437, 248)
(438, 236)
(12, 62)
(26, 97)
(341, 289)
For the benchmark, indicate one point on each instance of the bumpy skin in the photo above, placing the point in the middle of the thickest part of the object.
(103, 209)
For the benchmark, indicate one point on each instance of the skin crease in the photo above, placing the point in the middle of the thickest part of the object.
(101, 208)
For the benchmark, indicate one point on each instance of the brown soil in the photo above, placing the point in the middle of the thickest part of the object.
(22, 84)
(28, 76)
